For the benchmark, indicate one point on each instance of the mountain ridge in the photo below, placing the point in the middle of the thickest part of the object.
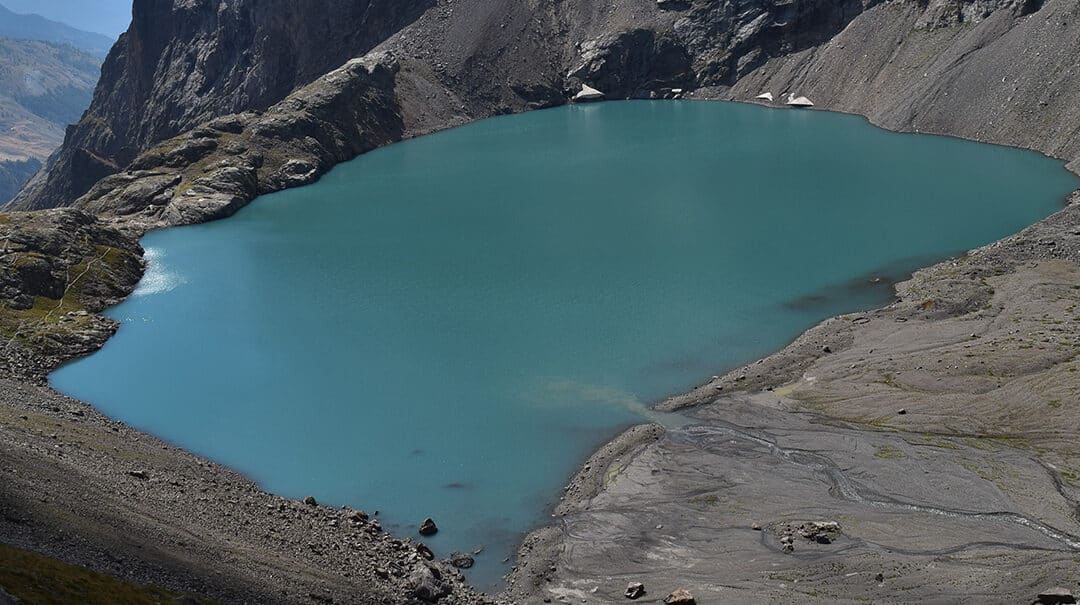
(31, 26)
(43, 88)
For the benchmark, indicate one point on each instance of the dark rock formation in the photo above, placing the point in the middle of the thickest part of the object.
(428, 528)
(60, 267)
(634, 64)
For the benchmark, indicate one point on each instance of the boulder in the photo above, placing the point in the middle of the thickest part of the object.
(427, 584)
(428, 528)
(311, 501)
(680, 597)
(635, 590)
(461, 560)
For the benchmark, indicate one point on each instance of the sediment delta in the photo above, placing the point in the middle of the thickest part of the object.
(937, 432)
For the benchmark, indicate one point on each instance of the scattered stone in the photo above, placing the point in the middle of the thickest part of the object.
(634, 590)
(461, 560)
(901, 411)
(144, 475)
(680, 597)
(428, 528)
(1055, 596)
(756, 527)
(425, 552)
(826, 349)
(879, 578)
(310, 501)
(358, 516)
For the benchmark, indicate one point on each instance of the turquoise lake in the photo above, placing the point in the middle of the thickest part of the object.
(448, 326)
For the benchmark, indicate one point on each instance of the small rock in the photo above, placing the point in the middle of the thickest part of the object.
(634, 590)
(826, 349)
(756, 527)
(901, 411)
(310, 501)
(680, 597)
(1054, 596)
(425, 552)
(461, 560)
(428, 528)
(144, 475)
(879, 578)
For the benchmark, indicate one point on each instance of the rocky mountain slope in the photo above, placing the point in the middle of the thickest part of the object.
(205, 105)
(183, 63)
(35, 27)
(43, 88)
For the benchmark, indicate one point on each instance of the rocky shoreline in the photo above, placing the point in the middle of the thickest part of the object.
(943, 416)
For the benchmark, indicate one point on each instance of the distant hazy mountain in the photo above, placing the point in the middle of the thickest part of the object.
(109, 17)
(36, 27)
(43, 88)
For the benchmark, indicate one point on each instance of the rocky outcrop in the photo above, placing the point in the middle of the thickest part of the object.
(215, 169)
(60, 268)
(634, 64)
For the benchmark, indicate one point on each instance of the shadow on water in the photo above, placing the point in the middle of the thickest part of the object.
(861, 292)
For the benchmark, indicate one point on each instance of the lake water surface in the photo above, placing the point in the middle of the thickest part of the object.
(446, 327)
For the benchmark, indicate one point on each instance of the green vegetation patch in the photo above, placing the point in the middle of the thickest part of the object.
(37, 579)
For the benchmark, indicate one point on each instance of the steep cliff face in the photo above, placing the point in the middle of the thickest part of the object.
(184, 62)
